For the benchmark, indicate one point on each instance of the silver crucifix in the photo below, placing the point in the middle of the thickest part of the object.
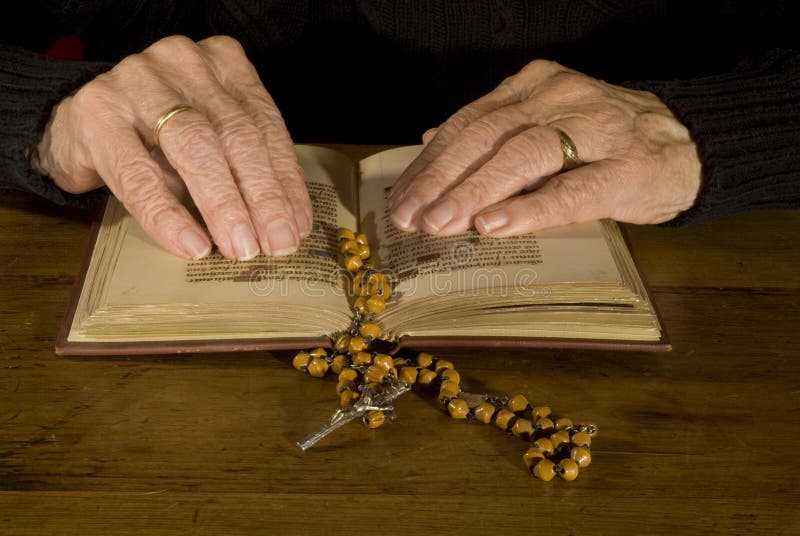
(368, 401)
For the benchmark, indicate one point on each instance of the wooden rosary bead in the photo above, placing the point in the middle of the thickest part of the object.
(348, 397)
(408, 375)
(318, 352)
(424, 360)
(400, 362)
(458, 408)
(339, 363)
(384, 361)
(301, 361)
(446, 393)
(582, 456)
(545, 470)
(357, 344)
(348, 374)
(581, 439)
(544, 445)
(362, 359)
(317, 367)
(522, 428)
(426, 377)
(483, 412)
(450, 375)
(442, 365)
(347, 247)
(342, 343)
(545, 426)
(369, 330)
(504, 419)
(531, 457)
(559, 439)
(345, 385)
(361, 239)
(345, 234)
(374, 419)
(363, 251)
(381, 290)
(517, 403)
(375, 374)
(563, 422)
(352, 263)
(568, 469)
(541, 412)
(375, 304)
(360, 305)
(450, 386)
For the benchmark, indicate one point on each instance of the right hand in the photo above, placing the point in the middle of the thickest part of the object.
(231, 151)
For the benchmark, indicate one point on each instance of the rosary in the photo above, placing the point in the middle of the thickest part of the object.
(370, 381)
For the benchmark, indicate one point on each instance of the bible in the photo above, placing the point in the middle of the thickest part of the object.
(576, 286)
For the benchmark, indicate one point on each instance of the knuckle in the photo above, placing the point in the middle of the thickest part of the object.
(172, 45)
(268, 199)
(239, 131)
(194, 139)
(539, 66)
(134, 65)
(525, 154)
(483, 129)
(92, 94)
(573, 195)
(223, 43)
(137, 176)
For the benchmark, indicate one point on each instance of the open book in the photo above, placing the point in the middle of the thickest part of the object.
(575, 286)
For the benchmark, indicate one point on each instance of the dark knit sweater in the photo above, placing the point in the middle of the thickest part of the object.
(385, 71)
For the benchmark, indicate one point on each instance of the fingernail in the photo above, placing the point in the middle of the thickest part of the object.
(197, 245)
(245, 246)
(491, 221)
(309, 224)
(404, 213)
(440, 215)
(281, 238)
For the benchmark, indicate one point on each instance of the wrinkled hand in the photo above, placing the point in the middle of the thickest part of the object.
(496, 163)
(231, 151)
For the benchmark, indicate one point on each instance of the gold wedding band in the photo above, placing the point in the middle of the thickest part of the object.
(568, 149)
(169, 114)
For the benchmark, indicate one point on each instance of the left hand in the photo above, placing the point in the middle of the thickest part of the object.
(496, 164)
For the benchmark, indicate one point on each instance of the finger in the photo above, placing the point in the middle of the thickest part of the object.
(241, 80)
(497, 98)
(523, 161)
(173, 181)
(583, 194)
(428, 135)
(468, 151)
(194, 149)
(136, 180)
(512, 90)
(247, 155)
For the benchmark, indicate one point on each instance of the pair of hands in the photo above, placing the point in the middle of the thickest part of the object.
(494, 165)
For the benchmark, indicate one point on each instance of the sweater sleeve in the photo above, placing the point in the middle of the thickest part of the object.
(30, 85)
(747, 127)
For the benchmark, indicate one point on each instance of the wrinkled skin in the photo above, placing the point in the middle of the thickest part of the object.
(496, 163)
(231, 153)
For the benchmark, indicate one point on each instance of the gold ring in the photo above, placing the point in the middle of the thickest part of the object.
(169, 114)
(569, 150)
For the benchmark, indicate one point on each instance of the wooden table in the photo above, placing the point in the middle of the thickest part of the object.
(704, 439)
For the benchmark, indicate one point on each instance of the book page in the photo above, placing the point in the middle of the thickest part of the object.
(141, 276)
(423, 265)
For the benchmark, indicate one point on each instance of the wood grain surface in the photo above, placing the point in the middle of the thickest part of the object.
(700, 440)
